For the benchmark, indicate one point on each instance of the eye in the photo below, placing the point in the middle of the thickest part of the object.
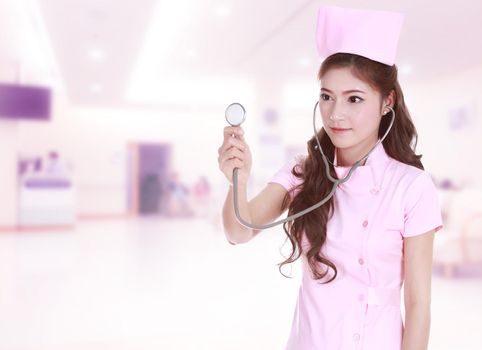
(353, 99)
(324, 97)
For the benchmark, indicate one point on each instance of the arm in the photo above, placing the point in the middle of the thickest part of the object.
(261, 210)
(417, 289)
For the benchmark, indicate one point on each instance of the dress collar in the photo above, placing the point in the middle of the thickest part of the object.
(365, 177)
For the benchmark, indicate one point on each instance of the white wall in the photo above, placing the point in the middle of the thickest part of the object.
(8, 174)
(98, 138)
(95, 141)
(448, 153)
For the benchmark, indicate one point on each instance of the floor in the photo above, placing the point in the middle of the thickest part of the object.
(154, 283)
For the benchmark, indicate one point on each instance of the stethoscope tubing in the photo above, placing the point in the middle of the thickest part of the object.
(335, 181)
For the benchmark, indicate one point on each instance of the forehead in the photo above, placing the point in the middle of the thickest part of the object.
(342, 79)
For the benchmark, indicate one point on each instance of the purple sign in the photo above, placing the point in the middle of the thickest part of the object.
(24, 102)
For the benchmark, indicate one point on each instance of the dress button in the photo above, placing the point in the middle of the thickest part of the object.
(365, 223)
(361, 261)
(361, 297)
(356, 337)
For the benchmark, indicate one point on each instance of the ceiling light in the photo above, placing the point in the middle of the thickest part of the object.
(169, 22)
(191, 53)
(96, 88)
(222, 11)
(304, 61)
(406, 69)
(96, 55)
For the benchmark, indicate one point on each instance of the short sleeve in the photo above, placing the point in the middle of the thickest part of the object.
(284, 176)
(422, 208)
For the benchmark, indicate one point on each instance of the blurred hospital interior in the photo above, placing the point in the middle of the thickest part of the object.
(111, 197)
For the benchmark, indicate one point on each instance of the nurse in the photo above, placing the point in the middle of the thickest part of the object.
(376, 233)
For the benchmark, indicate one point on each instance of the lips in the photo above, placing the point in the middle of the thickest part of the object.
(339, 130)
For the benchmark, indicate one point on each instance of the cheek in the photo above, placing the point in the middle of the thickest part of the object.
(365, 120)
(324, 114)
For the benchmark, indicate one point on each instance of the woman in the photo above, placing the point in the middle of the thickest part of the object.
(376, 232)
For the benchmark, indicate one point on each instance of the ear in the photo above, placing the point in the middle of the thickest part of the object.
(388, 101)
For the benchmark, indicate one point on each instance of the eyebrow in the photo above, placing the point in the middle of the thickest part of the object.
(345, 92)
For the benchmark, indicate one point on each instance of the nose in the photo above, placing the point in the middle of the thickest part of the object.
(337, 112)
(335, 117)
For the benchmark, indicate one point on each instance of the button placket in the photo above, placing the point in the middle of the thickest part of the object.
(361, 260)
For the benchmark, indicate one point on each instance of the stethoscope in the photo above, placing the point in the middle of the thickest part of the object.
(236, 114)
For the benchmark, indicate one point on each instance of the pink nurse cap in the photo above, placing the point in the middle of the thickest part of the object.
(369, 33)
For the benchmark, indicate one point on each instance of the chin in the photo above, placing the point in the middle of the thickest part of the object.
(344, 145)
(341, 143)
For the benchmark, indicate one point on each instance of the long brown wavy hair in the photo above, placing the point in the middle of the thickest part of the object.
(399, 144)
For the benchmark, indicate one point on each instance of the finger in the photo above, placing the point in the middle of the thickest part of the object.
(228, 165)
(232, 142)
(231, 154)
(225, 147)
(237, 143)
(236, 153)
(233, 130)
(235, 163)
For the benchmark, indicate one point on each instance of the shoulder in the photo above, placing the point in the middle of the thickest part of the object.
(415, 196)
(408, 176)
(285, 176)
(415, 187)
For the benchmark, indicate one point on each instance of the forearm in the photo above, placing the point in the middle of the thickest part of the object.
(234, 231)
(417, 328)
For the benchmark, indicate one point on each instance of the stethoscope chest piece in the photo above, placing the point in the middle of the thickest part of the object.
(235, 114)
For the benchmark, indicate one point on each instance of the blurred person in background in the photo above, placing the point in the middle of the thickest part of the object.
(201, 197)
(54, 166)
(178, 201)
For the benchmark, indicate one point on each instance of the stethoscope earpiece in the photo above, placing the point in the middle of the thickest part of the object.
(390, 109)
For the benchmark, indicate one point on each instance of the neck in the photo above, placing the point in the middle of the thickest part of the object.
(348, 156)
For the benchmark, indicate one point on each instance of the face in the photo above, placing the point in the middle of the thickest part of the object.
(351, 110)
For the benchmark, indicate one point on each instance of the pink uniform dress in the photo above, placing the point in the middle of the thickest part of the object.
(383, 202)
